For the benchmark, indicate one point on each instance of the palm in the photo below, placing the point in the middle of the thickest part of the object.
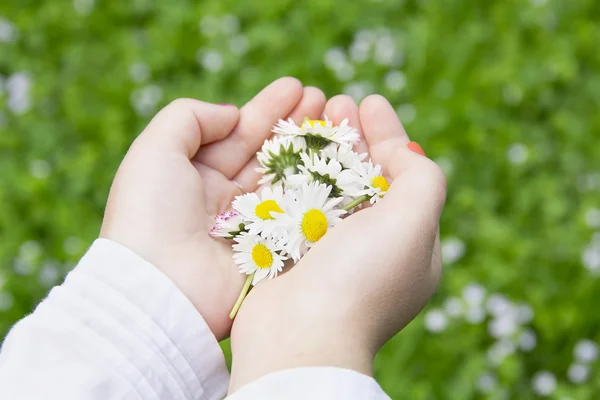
(165, 196)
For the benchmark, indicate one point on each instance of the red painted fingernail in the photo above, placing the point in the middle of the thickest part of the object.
(415, 147)
(227, 104)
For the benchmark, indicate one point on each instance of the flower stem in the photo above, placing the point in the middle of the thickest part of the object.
(242, 296)
(356, 202)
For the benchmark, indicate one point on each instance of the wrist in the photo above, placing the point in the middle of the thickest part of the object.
(287, 337)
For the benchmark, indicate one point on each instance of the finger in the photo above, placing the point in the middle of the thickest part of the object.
(218, 199)
(385, 132)
(257, 118)
(341, 107)
(184, 124)
(312, 106)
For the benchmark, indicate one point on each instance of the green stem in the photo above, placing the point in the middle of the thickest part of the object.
(356, 202)
(242, 296)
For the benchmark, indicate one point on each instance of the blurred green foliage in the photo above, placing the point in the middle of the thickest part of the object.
(505, 95)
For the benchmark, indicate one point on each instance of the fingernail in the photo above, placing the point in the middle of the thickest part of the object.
(416, 148)
(227, 104)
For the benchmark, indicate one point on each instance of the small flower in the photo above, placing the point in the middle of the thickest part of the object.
(343, 154)
(280, 158)
(367, 179)
(318, 169)
(310, 217)
(257, 255)
(260, 211)
(319, 133)
(228, 225)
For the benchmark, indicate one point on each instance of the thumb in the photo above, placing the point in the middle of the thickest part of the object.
(185, 124)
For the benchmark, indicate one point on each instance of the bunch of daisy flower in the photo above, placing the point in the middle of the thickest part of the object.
(311, 179)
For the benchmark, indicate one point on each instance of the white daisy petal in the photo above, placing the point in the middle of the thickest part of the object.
(227, 225)
(260, 211)
(255, 254)
(309, 219)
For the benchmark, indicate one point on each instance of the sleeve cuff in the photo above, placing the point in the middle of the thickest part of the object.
(316, 383)
(152, 326)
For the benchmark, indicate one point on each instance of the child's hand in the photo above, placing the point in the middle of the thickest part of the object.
(365, 280)
(180, 172)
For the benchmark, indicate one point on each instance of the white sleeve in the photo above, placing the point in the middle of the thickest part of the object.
(315, 383)
(117, 328)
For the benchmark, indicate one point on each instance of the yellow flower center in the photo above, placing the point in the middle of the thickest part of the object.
(314, 225)
(314, 122)
(262, 257)
(381, 183)
(263, 210)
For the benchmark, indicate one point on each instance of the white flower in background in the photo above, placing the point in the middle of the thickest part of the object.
(527, 340)
(475, 314)
(503, 326)
(211, 60)
(257, 255)
(517, 153)
(239, 45)
(310, 217)
(407, 113)
(543, 383)
(280, 158)
(524, 313)
(260, 212)
(474, 294)
(210, 26)
(453, 307)
(578, 373)
(591, 258)
(395, 81)
(487, 382)
(144, 100)
(592, 218)
(49, 274)
(498, 352)
(6, 301)
(40, 169)
(343, 154)
(359, 90)
(319, 133)
(18, 87)
(84, 7)
(8, 32)
(230, 24)
(368, 180)
(227, 225)
(139, 72)
(497, 304)
(453, 249)
(585, 351)
(436, 320)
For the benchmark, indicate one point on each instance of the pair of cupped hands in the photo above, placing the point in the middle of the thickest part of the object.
(360, 285)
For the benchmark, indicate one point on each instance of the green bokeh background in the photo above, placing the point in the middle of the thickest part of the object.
(505, 95)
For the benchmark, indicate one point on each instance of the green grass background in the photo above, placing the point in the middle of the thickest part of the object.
(505, 95)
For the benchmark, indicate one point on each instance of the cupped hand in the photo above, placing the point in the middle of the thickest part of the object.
(182, 170)
(365, 279)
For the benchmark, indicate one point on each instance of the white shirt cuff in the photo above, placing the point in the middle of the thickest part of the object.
(152, 324)
(315, 383)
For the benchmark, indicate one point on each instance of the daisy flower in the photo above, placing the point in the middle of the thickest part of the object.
(279, 158)
(257, 255)
(343, 154)
(260, 211)
(368, 179)
(228, 225)
(318, 169)
(319, 133)
(310, 218)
